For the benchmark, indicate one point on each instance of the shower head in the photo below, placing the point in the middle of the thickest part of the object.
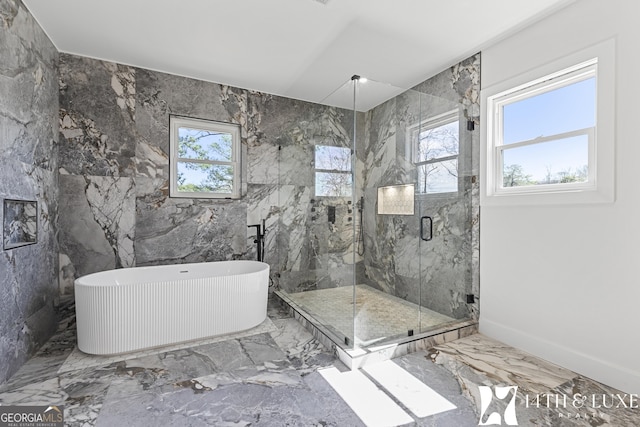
(359, 79)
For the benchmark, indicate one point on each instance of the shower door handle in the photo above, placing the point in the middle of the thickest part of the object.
(422, 228)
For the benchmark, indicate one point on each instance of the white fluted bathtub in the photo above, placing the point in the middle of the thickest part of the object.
(129, 309)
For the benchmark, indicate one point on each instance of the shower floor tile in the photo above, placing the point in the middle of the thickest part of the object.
(378, 315)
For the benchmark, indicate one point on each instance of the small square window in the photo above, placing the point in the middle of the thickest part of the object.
(204, 158)
(333, 171)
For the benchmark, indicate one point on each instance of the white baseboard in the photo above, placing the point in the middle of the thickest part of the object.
(619, 377)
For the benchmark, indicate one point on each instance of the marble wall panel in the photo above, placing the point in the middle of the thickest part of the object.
(176, 230)
(263, 204)
(84, 242)
(275, 128)
(263, 164)
(112, 204)
(97, 223)
(28, 171)
(320, 253)
(278, 138)
(97, 117)
(295, 205)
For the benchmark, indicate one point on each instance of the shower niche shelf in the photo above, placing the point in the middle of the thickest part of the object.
(396, 200)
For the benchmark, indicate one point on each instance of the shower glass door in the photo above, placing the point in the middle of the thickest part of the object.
(413, 153)
(441, 155)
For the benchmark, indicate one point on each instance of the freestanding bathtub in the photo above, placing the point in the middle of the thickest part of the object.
(129, 309)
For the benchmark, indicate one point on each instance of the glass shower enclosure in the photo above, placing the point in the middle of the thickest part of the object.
(383, 247)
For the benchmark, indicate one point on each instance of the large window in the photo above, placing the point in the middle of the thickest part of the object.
(205, 158)
(544, 133)
(550, 132)
(436, 149)
(333, 171)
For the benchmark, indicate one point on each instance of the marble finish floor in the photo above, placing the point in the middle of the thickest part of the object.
(378, 315)
(547, 394)
(275, 376)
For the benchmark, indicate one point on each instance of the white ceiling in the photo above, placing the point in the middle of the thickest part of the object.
(301, 49)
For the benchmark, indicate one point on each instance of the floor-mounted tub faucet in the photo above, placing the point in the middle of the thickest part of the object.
(261, 230)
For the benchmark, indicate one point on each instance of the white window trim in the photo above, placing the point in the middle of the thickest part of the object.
(600, 187)
(497, 103)
(431, 123)
(176, 122)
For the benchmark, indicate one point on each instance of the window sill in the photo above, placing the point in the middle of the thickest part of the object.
(558, 197)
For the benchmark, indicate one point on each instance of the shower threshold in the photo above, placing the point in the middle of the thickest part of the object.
(327, 318)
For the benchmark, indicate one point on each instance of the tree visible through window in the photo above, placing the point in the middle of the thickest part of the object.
(204, 159)
(550, 132)
(333, 171)
(545, 131)
(436, 149)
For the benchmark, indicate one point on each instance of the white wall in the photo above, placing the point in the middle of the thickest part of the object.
(561, 282)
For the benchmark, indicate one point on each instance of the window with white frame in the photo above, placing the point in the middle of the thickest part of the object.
(333, 171)
(204, 158)
(435, 151)
(544, 133)
(550, 131)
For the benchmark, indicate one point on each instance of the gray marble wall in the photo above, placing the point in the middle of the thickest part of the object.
(28, 170)
(115, 210)
(437, 274)
(114, 169)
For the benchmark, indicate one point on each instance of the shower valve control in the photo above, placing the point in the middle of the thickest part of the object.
(331, 214)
